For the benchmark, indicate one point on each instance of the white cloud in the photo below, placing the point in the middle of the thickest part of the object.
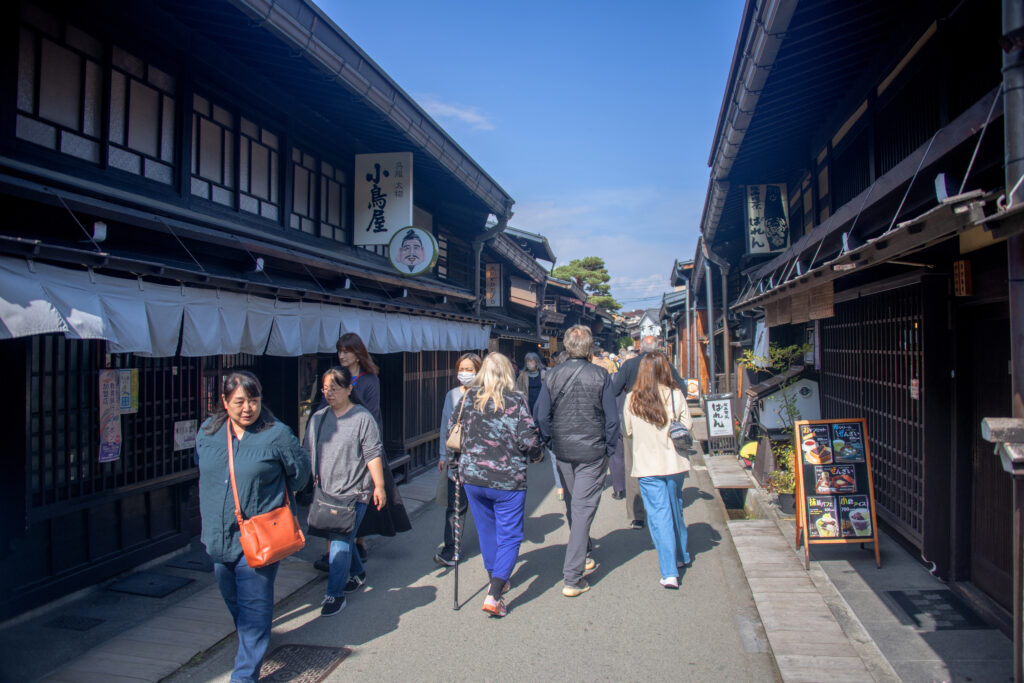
(448, 110)
(638, 231)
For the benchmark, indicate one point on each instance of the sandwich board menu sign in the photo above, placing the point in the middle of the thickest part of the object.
(835, 492)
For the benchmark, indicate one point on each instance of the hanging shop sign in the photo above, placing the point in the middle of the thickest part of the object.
(493, 294)
(412, 251)
(110, 415)
(767, 219)
(834, 488)
(382, 196)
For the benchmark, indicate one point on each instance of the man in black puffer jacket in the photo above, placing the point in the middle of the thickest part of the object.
(576, 413)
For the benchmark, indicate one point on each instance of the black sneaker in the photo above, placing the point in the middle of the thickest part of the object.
(323, 564)
(332, 606)
(355, 582)
(445, 559)
(636, 524)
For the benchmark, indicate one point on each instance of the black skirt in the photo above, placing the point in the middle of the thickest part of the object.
(392, 518)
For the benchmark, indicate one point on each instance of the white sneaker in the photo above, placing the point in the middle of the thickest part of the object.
(670, 582)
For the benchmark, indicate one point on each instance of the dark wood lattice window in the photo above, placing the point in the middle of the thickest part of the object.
(141, 118)
(64, 420)
(871, 351)
(257, 166)
(213, 152)
(60, 86)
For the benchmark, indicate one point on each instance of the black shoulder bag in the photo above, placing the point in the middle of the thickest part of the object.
(329, 515)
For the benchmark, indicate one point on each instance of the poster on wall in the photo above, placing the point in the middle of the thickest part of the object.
(767, 218)
(185, 434)
(110, 415)
(128, 391)
(692, 389)
(720, 418)
(382, 196)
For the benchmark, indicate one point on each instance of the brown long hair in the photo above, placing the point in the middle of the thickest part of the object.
(646, 402)
(350, 341)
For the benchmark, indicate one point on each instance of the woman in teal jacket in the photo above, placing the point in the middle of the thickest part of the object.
(267, 458)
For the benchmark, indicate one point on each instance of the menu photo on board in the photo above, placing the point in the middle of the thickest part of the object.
(855, 516)
(821, 517)
(848, 442)
(834, 479)
(815, 444)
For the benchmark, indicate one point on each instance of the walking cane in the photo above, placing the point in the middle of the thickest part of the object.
(458, 536)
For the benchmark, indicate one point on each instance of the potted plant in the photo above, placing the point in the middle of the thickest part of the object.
(782, 481)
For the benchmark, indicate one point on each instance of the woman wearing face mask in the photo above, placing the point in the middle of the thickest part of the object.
(528, 384)
(466, 367)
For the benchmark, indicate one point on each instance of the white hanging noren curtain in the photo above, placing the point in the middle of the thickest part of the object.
(151, 319)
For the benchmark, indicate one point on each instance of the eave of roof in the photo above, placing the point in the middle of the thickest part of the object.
(534, 243)
(305, 29)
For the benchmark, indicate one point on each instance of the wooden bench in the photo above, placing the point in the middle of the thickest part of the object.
(400, 467)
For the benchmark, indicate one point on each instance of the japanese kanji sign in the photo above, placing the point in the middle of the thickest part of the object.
(382, 196)
(719, 418)
(767, 219)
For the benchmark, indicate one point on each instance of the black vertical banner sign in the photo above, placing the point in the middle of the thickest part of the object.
(835, 492)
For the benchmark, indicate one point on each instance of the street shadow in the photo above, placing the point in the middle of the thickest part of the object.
(611, 551)
(536, 529)
(691, 494)
(701, 537)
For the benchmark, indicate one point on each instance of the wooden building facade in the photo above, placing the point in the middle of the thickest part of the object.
(856, 169)
(178, 183)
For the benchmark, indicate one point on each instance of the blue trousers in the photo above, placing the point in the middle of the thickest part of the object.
(249, 595)
(499, 525)
(663, 500)
(343, 560)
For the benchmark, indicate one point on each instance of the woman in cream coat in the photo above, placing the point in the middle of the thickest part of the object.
(645, 417)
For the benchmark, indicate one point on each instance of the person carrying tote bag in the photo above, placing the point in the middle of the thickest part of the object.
(344, 442)
(267, 461)
(650, 409)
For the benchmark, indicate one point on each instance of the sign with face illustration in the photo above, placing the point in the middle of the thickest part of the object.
(412, 250)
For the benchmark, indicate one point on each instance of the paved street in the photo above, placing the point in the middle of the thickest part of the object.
(402, 626)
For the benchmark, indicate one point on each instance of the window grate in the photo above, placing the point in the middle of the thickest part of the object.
(64, 420)
(871, 351)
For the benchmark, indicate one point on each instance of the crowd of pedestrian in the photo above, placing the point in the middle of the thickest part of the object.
(597, 416)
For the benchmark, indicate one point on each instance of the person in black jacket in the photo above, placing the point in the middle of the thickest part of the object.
(622, 384)
(576, 413)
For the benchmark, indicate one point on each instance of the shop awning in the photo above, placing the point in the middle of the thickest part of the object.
(152, 319)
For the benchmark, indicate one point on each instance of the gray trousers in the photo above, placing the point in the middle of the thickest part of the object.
(583, 483)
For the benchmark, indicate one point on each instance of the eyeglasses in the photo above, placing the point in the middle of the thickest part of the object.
(330, 390)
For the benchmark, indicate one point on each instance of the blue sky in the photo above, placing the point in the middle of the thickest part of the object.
(596, 117)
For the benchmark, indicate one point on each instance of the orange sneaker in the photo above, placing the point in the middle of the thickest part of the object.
(496, 608)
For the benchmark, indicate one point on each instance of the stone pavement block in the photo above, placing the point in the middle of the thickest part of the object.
(66, 676)
(117, 665)
(158, 651)
(197, 627)
(151, 634)
(818, 668)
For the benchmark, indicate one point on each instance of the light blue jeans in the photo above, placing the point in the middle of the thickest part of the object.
(249, 595)
(343, 559)
(663, 501)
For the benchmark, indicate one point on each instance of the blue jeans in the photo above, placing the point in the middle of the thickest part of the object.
(249, 595)
(663, 500)
(344, 561)
(499, 525)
